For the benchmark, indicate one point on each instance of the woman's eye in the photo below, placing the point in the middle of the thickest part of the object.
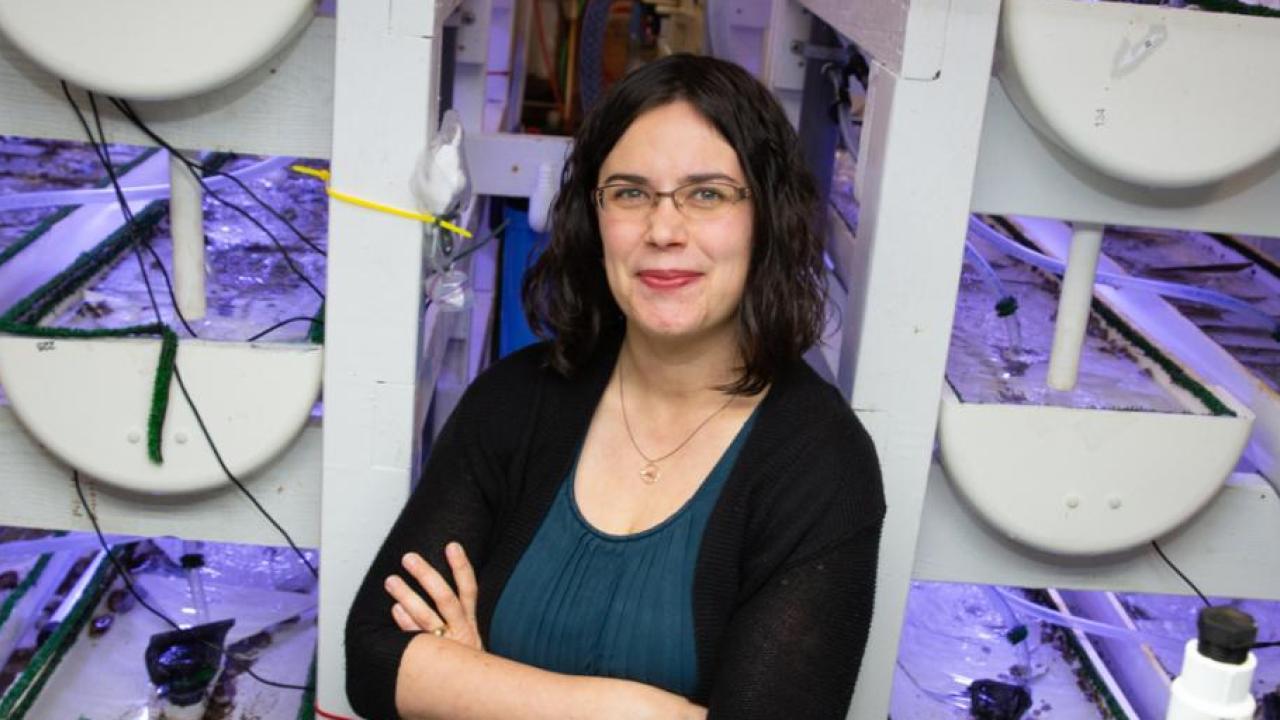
(629, 194)
(707, 195)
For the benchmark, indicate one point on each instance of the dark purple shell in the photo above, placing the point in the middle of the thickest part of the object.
(101, 625)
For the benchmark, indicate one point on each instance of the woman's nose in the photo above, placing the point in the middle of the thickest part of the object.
(666, 223)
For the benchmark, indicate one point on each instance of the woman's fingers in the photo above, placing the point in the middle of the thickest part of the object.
(403, 621)
(411, 603)
(449, 614)
(446, 601)
(464, 575)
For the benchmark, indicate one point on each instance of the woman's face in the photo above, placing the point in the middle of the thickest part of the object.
(674, 276)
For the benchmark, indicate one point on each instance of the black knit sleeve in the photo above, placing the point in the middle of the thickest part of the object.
(454, 501)
(793, 646)
(793, 651)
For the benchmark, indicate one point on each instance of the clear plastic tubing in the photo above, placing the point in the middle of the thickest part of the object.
(1011, 621)
(198, 596)
(1091, 627)
(1011, 323)
(194, 581)
(987, 271)
(1165, 289)
(77, 542)
(89, 196)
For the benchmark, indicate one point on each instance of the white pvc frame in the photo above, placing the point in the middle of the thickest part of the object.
(936, 131)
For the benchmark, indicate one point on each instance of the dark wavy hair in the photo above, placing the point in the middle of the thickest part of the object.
(566, 295)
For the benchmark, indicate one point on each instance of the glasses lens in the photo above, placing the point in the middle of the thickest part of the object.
(707, 198)
(627, 197)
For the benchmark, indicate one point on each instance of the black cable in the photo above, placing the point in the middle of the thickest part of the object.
(177, 374)
(132, 115)
(282, 323)
(263, 203)
(128, 581)
(124, 575)
(128, 212)
(1236, 7)
(191, 404)
(492, 234)
(105, 158)
(1205, 600)
(1185, 579)
(196, 170)
(287, 686)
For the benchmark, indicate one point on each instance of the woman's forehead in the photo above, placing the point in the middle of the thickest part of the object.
(670, 143)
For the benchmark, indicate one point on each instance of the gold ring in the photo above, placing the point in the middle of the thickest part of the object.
(440, 631)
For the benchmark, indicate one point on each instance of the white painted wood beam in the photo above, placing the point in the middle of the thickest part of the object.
(36, 491)
(920, 147)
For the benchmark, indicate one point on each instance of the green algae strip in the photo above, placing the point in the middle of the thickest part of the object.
(16, 596)
(18, 699)
(62, 212)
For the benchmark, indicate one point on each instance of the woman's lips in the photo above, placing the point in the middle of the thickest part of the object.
(667, 279)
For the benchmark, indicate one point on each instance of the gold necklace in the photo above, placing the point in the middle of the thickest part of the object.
(650, 473)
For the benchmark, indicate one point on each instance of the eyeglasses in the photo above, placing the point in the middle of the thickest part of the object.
(696, 201)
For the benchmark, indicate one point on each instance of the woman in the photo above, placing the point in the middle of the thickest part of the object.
(662, 512)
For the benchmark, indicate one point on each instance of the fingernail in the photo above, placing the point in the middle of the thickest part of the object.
(454, 550)
(390, 582)
(411, 560)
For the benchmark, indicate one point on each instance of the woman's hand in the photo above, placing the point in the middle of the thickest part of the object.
(474, 675)
(456, 619)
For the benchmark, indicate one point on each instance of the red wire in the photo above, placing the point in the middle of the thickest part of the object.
(330, 716)
(542, 49)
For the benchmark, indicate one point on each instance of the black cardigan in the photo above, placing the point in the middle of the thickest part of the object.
(785, 576)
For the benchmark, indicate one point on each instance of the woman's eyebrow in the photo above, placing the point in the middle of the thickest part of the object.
(623, 178)
(687, 179)
(706, 177)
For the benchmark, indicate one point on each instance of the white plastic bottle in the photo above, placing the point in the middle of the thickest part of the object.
(1217, 669)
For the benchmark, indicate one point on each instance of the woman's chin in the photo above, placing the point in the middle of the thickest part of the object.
(673, 329)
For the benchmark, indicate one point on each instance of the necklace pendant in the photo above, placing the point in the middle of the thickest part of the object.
(649, 474)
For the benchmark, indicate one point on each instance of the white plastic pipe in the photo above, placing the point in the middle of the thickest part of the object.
(186, 221)
(89, 196)
(1212, 690)
(77, 542)
(1074, 305)
(28, 609)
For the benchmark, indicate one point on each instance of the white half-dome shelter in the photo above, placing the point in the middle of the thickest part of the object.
(1069, 481)
(1158, 97)
(152, 49)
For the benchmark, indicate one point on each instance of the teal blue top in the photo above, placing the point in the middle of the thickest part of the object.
(585, 602)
